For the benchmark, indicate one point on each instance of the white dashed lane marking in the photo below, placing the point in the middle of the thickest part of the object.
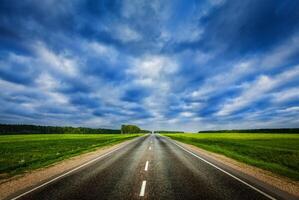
(142, 188)
(146, 166)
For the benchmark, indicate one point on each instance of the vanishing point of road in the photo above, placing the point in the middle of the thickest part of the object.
(150, 167)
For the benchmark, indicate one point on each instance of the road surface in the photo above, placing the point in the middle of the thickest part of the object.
(151, 167)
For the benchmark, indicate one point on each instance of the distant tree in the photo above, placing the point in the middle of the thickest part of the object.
(130, 129)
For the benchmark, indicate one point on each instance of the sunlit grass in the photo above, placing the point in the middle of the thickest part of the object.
(20, 153)
(278, 153)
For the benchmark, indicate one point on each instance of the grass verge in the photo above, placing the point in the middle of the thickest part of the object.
(278, 153)
(21, 153)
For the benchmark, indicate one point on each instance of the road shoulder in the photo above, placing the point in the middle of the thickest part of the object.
(30, 179)
(248, 172)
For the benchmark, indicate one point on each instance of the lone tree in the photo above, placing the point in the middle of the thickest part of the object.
(130, 129)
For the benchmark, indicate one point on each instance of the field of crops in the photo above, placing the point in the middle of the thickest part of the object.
(278, 153)
(26, 152)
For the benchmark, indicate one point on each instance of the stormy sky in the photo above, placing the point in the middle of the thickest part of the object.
(170, 64)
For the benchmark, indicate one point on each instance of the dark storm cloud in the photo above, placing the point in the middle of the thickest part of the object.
(237, 28)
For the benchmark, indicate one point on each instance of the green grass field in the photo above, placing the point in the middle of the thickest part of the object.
(20, 153)
(278, 153)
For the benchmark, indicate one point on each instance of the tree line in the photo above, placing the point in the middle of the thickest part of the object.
(37, 129)
(277, 130)
(6, 129)
(168, 131)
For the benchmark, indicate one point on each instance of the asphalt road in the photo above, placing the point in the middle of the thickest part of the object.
(151, 167)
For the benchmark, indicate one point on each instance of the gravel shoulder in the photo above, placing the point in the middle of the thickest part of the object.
(27, 180)
(282, 183)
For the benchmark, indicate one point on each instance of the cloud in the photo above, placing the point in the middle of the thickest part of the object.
(289, 94)
(58, 62)
(100, 50)
(18, 63)
(127, 34)
(257, 90)
(152, 70)
(257, 28)
(210, 64)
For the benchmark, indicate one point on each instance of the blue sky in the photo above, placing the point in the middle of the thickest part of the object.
(179, 65)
